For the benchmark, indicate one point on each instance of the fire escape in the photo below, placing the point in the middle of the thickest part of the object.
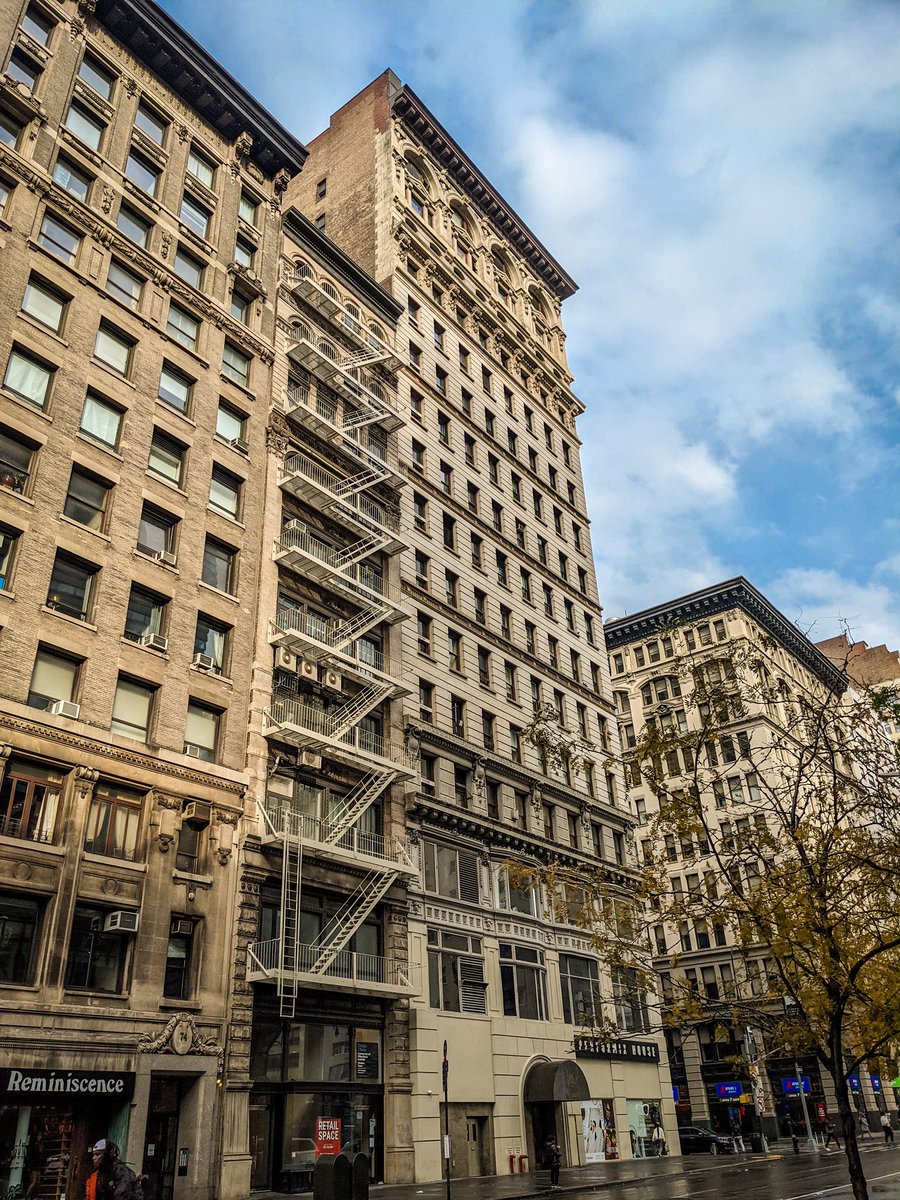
(333, 653)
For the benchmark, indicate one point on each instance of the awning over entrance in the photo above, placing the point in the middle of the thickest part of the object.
(553, 1081)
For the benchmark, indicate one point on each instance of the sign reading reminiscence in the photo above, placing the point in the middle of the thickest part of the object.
(31, 1085)
(591, 1047)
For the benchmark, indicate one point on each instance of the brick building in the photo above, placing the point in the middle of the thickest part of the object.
(139, 215)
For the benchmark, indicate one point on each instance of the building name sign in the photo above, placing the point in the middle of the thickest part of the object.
(27, 1083)
(591, 1047)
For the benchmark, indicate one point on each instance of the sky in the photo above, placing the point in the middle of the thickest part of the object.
(721, 179)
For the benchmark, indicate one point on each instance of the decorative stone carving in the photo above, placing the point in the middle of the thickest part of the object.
(131, 86)
(108, 196)
(22, 871)
(86, 8)
(76, 29)
(180, 1036)
(278, 434)
(479, 776)
(412, 742)
(165, 243)
(183, 133)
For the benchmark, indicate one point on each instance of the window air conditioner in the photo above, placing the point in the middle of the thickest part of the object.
(308, 759)
(197, 812)
(285, 660)
(122, 921)
(165, 556)
(332, 679)
(65, 708)
(295, 526)
(191, 750)
(180, 925)
(240, 444)
(155, 641)
(204, 662)
(308, 668)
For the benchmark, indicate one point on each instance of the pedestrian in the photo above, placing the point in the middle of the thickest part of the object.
(795, 1136)
(111, 1179)
(887, 1127)
(553, 1160)
(737, 1136)
(831, 1132)
(34, 1164)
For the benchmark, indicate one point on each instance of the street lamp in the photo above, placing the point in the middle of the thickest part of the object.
(811, 1142)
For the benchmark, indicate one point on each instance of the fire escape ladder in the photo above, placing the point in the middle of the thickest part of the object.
(351, 713)
(340, 929)
(355, 803)
(291, 870)
(341, 633)
(357, 551)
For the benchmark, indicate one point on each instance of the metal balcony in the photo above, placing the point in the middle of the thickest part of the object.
(298, 724)
(340, 497)
(370, 402)
(357, 581)
(324, 417)
(362, 974)
(323, 296)
(329, 839)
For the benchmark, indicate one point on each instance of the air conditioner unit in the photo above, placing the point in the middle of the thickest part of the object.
(308, 759)
(240, 444)
(180, 925)
(204, 662)
(308, 668)
(196, 812)
(122, 921)
(165, 556)
(155, 641)
(65, 708)
(285, 659)
(296, 526)
(191, 750)
(332, 679)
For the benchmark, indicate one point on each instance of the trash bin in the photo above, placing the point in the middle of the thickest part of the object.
(359, 1170)
(756, 1145)
(332, 1177)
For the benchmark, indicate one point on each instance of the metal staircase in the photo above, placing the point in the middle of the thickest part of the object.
(324, 417)
(339, 721)
(340, 929)
(355, 803)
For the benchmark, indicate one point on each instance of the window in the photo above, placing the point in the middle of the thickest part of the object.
(96, 76)
(630, 1001)
(53, 677)
(321, 221)
(523, 981)
(505, 622)
(142, 172)
(235, 364)
(244, 252)
(44, 303)
(516, 482)
(86, 499)
(23, 69)
(182, 327)
(454, 650)
(36, 25)
(72, 178)
(321, 188)
(113, 349)
(530, 637)
(71, 585)
(114, 821)
(150, 124)
(10, 129)
(175, 387)
(451, 872)
(449, 531)
(96, 960)
(484, 667)
(224, 492)
(131, 709)
(515, 745)
(189, 268)
(488, 725)
(579, 983)
(480, 599)
(211, 639)
(455, 972)
(8, 540)
(420, 512)
(219, 563)
(240, 307)
(200, 167)
(133, 226)
(19, 925)
(124, 285)
(88, 128)
(451, 588)
(156, 533)
(515, 899)
(458, 716)
(422, 564)
(423, 631)
(230, 424)
(201, 731)
(472, 497)
(195, 216)
(29, 800)
(145, 615)
(248, 209)
(415, 357)
(59, 238)
(511, 681)
(179, 950)
(439, 332)
(445, 473)
(426, 700)
(166, 457)
(465, 400)
(525, 580)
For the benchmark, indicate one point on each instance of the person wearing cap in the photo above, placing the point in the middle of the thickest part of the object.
(111, 1179)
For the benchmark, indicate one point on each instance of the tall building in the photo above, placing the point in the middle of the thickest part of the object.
(648, 650)
(497, 578)
(866, 666)
(140, 191)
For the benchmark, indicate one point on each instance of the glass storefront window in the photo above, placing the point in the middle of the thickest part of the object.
(318, 1052)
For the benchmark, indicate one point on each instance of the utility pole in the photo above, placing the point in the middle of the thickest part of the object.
(756, 1085)
(811, 1142)
(445, 1071)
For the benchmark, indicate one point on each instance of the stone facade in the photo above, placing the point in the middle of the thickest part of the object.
(140, 236)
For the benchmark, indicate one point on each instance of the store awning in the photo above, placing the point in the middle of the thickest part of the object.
(553, 1081)
(895, 1083)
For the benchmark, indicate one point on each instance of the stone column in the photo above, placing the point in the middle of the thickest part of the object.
(399, 1158)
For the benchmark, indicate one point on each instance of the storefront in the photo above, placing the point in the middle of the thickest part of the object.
(318, 1085)
(48, 1121)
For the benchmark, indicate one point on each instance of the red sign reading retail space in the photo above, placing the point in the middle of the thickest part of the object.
(328, 1135)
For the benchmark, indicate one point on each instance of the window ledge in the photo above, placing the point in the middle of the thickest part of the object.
(98, 362)
(156, 561)
(241, 387)
(78, 995)
(26, 404)
(181, 1005)
(208, 587)
(205, 881)
(54, 612)
(42, 328)
(173, 487)
(89, 441)
(110, 860)
(7, 491)
(125, 641)
(104, 537)
(19, 987)
(225, 517)
(220, 678)
(21, 843)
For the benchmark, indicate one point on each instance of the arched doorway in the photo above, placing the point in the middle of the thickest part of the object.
(548, 1088)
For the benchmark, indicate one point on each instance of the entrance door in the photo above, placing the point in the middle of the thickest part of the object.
(544, 1125)
(161, 1137)
(260, 1146)
(473, 1146)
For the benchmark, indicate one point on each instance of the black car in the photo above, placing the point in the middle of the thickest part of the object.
(695, 1137)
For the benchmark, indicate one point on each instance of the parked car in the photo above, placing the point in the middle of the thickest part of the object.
(695, 1137)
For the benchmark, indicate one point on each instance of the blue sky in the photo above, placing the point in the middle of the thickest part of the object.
(722, 181)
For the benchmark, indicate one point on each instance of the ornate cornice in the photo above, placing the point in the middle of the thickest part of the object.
(733, 593)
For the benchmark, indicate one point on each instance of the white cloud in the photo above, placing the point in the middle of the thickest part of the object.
(823, 602)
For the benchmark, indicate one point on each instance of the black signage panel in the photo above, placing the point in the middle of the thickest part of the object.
(592, 1047)
(30, 1085)
(367, 1066)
